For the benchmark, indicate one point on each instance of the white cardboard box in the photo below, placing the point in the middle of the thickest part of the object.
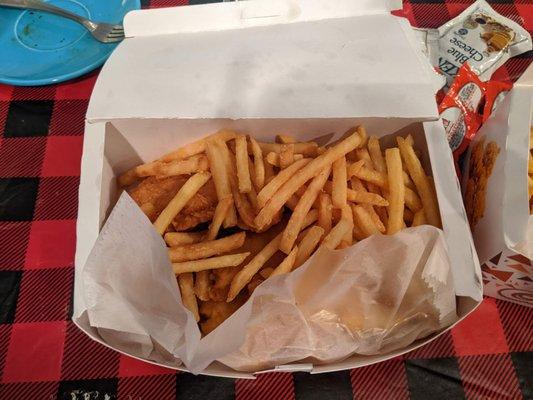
(316, 66)
(504, 235)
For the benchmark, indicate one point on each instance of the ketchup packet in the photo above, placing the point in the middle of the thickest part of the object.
(481, 37)
(459, 109)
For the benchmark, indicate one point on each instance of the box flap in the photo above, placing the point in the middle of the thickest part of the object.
(335, 67)
(237, 15)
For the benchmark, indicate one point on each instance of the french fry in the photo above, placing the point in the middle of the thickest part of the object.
(286, 155)
(198, 147)
(396, 190)
(284, 175)
(220, 213)
(308, 245)
(376, 155)
(325, 212)
(180, 200)
(339, 191)
(230, 260)
(412, 201)
(427, 195)
(185, 282)
(364, 221)
(259, 164)
(206, 249)
(201, 285)
(269, 171)
(182, 238)
(243, 171)
(293, 202)
(244, 208)
(334, 238)
(287, 264)
(369, 175)
(360, 196)
(303, 175)
(221, 179)
(358, 185)
(285, 139)
(310, 218)
(294, 226)
(244, 276)
(419, 218)
(347, 214)
(184, 167)
(308, 149)
(273, 159)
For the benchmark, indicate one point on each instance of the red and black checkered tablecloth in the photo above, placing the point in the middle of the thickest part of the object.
(44, 356)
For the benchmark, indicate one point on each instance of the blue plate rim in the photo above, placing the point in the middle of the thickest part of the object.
(64, 77)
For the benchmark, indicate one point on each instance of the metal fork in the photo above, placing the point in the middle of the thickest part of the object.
(103, 32)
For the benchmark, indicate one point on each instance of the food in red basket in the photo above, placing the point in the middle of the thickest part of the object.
(482, 38)
(270, 206)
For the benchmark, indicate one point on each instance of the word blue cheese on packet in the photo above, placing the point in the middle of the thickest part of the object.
(481, 37)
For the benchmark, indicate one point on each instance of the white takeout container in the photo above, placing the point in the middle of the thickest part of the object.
(504, 235)
(319, 66)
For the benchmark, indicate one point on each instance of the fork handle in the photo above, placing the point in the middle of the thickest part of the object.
(42, 6)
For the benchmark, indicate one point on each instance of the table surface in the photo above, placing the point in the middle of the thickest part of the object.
(44, 356)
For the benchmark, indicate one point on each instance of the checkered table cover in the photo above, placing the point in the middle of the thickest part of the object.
(44, 356)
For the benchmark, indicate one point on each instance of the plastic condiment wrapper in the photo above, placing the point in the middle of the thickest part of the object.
(481, 37)
(459, 109)
(381, 294)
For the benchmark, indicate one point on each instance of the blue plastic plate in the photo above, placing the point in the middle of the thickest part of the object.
(38, 48)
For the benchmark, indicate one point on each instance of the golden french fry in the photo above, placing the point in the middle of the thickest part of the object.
(181, 238)
(218, 167)
(427, 195)
(220, 213)
(364, 221)
(180, 200)
(334, 238)
(347, 214)
(274, 185)
(308, 245)
(293, 202)
(197, 147)
(287, 264)
(259, 164)
(201, 285)
(244, 276)
(360, 195)
(185, 282)
(310, 218)
(269, 171)
(339, 191)
(196, 251)
(396, 190)
(245, 210)
(303, 175)
(412, 201)
(369, 175)
(230, 260)
(286, 155)
(376, 155)
(285, 139)
(358, 185)
(419, 218)
(243, 171)
(273, 159)
(294, 226)
(308, 149)
(325, 212)
(375, 217)
(184, 167)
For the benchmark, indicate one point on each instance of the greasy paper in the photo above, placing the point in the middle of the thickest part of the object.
(374, 297)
